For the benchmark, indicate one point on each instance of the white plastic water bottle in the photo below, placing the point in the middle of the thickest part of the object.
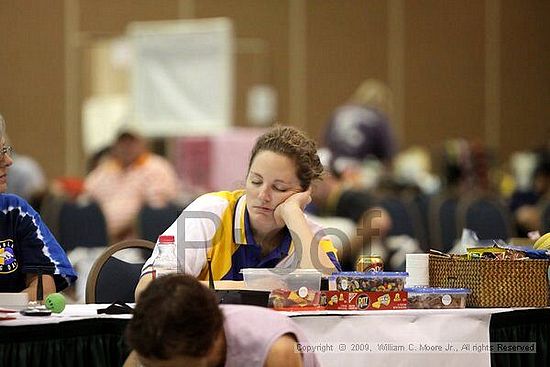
(166, 261)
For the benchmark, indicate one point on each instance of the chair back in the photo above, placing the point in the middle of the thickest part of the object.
(443, 222)
(418, 206)
(403, 221)
(50, 210)
(545, 217)
(112, 279)
(486, 216)
(152, 222)
(81, 224)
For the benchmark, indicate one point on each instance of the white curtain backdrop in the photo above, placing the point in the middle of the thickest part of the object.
(182, 76)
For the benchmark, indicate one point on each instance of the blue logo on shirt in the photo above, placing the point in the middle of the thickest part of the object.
(8, 262)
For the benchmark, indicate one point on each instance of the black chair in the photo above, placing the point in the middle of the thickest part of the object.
(403, 222)
(82, 224)
(443, 221)
(545, 217)
(418, 206)
(154, 221)
(50, 210)
(112, 279)
(485, 215)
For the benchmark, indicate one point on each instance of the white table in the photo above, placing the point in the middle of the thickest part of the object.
(78, 337)
(457, 337)
(71, 312)
(393, 338)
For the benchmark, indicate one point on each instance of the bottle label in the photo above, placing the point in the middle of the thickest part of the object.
(162, 272)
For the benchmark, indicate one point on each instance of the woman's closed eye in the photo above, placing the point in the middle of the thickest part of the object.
(280, 188)
(276, 187)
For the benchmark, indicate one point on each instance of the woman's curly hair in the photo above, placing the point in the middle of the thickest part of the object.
(294, 144)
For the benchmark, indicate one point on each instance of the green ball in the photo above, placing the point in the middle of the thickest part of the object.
(55, 302)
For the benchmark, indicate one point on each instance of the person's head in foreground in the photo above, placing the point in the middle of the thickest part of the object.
(283, 162)
(177, 322)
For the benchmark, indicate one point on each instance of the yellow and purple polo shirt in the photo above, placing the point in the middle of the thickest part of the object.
(216, 227)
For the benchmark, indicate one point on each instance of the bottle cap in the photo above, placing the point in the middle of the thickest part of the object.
(166, 239)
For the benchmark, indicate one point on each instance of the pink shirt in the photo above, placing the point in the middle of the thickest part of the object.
(250, 332)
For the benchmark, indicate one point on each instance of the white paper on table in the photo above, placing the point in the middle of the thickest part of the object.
(409, 328)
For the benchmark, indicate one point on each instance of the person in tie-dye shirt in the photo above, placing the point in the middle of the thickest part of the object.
(27, 247)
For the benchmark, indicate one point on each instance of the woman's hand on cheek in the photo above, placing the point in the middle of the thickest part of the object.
(293, 204)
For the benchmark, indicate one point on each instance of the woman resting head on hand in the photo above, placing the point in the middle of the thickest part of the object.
(262, 226)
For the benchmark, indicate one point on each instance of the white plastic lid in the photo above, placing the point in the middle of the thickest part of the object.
(278, 271)
(434, 290)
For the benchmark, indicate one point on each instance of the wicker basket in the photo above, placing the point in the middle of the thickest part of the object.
(494, 283)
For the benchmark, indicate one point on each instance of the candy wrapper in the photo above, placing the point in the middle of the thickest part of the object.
(473, 248)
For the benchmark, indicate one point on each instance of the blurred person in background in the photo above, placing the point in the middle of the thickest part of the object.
(178, 322)
(527, 205)
(71, 188)
(129, 177)
(457, 168)
(97, 157)
(468, 165)
(332, 197)
(27, 246)
(26, 178)
(361, 128)
(413, 171)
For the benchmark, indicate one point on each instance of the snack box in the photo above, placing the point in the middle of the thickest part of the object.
(338, 300)
(264, 279)
(302, 299)
(437, 297)
(383, 281)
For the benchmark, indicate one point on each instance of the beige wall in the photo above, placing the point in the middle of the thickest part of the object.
(347, 42)
(525, 72)
(267, 20)
(461, 68)
(444, 70)
(32, 97)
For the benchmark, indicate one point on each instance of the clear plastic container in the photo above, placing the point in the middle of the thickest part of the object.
(437, 297)
(263, 279)
(14, 301)
(352, 281)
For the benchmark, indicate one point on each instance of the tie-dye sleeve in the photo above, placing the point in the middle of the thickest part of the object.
(39, 248)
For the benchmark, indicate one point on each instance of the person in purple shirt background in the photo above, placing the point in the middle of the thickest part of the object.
(361, 128)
